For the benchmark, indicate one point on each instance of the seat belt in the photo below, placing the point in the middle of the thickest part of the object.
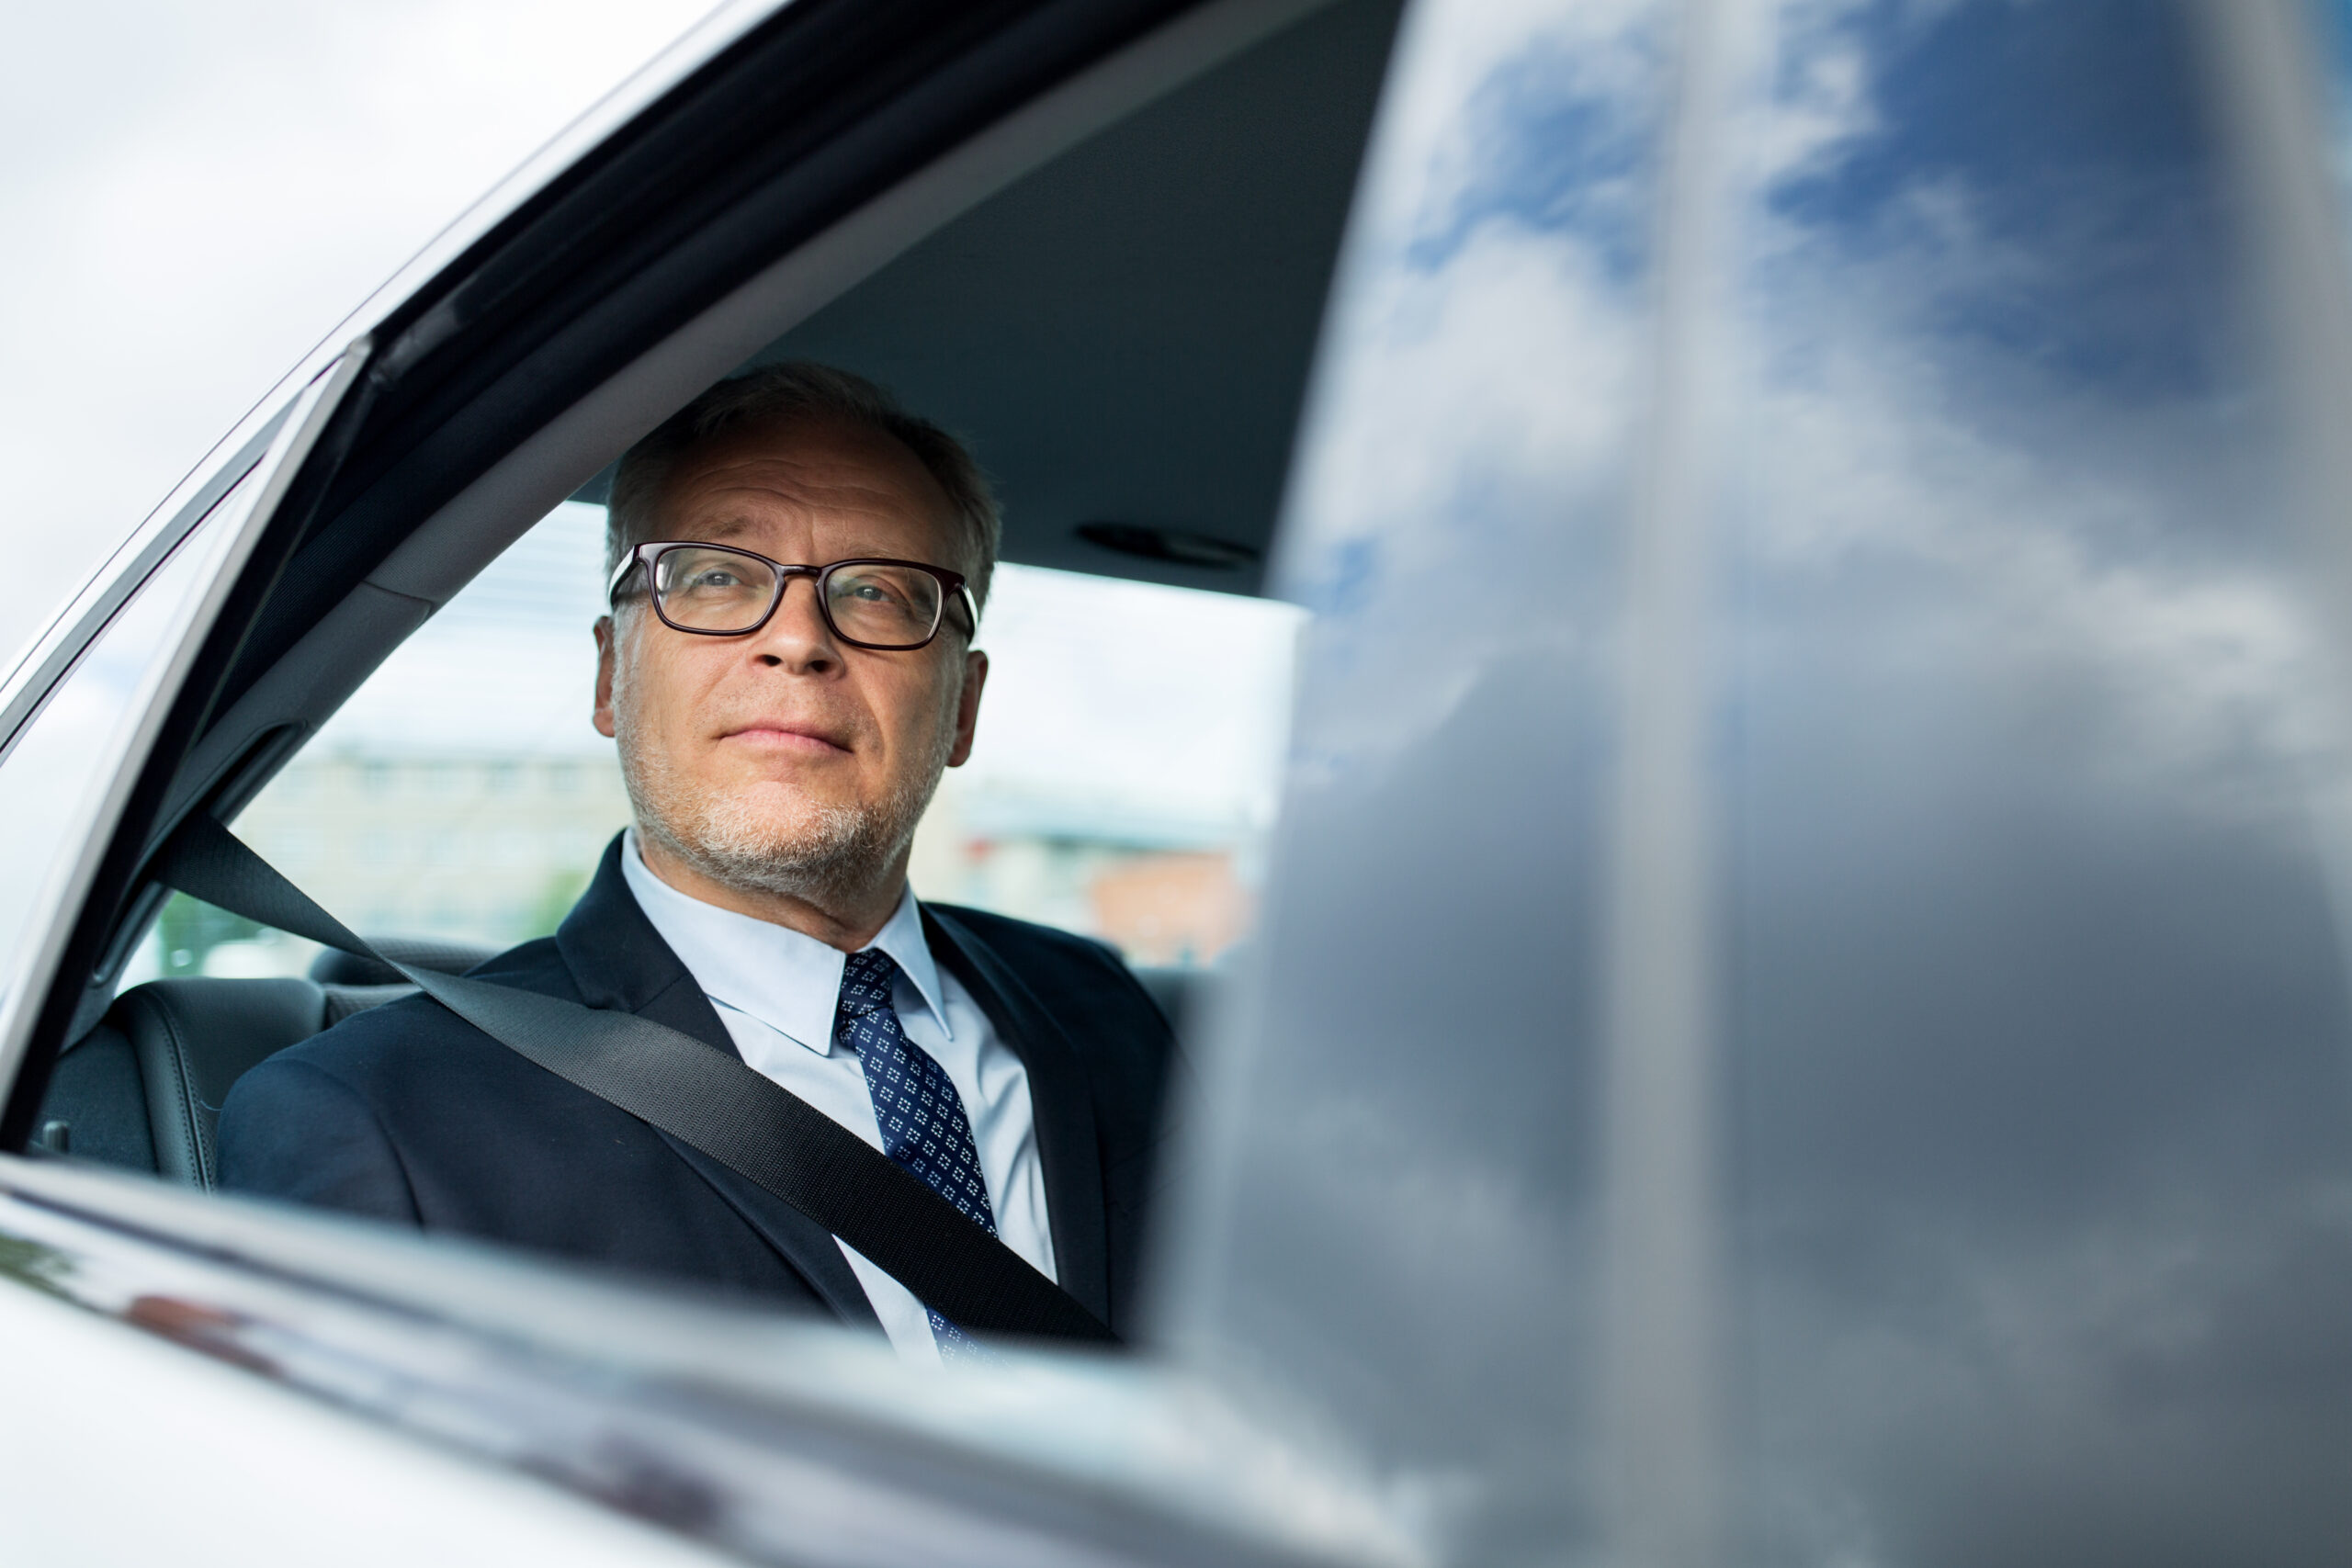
(703, 1097)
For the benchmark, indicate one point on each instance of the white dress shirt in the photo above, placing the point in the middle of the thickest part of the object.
(776, 991)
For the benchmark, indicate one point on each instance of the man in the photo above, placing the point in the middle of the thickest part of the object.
(797, 566)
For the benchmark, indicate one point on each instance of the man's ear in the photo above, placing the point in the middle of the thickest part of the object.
(607, 649)
(967, 707)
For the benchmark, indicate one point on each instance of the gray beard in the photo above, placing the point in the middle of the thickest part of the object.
(824, 856)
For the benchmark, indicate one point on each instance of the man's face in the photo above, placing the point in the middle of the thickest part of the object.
(784, 762)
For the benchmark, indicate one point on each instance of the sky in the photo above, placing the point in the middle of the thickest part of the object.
(195, 195)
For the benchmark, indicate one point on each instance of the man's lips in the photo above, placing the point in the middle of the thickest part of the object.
(805, 740)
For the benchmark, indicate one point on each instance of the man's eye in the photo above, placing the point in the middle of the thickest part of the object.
(715, 579)
(869, 590)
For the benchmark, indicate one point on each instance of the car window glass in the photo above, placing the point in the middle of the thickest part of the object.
(462, 794)
(1411, 1093)
(1866, 1083)
(49, 773)
(2037, 1006)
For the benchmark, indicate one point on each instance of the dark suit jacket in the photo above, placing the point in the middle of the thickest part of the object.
(408, 1113)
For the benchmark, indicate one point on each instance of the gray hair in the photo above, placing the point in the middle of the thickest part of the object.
(785, 392)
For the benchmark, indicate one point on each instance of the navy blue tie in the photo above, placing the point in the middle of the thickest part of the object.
(922, 1116)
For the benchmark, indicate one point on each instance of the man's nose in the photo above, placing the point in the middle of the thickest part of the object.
(796, 637)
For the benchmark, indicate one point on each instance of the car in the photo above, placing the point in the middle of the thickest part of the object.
(1698, 649)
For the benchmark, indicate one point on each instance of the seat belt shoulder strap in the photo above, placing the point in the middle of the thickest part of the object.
(704, 1097)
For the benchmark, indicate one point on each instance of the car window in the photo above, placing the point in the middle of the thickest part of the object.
(1861, 1077)
(462, 794)
(1124, 336)
(1127, 765)
(1124, 779)
(2036, 1009)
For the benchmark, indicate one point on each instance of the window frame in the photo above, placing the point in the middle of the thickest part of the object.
(35, 975)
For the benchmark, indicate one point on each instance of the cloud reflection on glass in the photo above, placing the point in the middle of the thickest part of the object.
(2038, 1017)
(2033, 1011)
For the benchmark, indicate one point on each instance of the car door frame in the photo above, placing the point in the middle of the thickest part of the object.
(294, 435)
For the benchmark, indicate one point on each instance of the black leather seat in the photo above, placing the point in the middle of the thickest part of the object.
(144, 1089)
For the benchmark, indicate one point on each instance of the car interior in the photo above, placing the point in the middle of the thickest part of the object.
(1123, 330)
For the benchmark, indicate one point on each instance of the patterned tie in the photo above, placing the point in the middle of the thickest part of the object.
(923, 1120)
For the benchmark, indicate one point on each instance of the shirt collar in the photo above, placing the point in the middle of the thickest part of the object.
(788, 981)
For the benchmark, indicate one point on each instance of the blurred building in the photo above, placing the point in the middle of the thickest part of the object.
(467, 847)
(493, 849)
(1163, 888)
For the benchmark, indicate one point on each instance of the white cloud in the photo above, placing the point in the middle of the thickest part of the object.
(197, 195)
(1879, 429)
(1485, 366)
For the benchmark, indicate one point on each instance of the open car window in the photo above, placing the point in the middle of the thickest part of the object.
(1127, 777)
(1123, 336)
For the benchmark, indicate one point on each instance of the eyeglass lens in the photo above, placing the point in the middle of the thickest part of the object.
(713, 589)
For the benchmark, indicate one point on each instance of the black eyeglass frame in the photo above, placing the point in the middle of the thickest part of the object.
(650, 554)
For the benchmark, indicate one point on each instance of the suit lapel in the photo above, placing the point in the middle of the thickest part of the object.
(1059, 1103)
(621, 962)
(811, 1250)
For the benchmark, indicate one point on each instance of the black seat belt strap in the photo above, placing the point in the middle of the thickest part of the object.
(701, 1095)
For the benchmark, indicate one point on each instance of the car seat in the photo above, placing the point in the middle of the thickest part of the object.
(144, 1089)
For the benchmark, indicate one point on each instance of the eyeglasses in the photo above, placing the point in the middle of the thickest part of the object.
(892, 607)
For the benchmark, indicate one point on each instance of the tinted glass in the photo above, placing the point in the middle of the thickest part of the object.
(1815, 1030)
(1398, 1260)
(2036, 1009)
